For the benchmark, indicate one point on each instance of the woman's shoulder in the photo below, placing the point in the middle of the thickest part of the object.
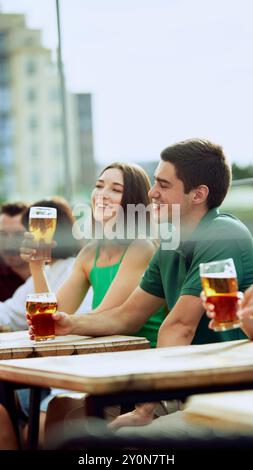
(88, 252)
(142, 248)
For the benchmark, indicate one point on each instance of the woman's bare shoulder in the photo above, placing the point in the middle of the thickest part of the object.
(87, 253)
(145, 247)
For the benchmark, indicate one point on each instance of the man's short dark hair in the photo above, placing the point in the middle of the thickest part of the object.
(199, 162)
(13, 208)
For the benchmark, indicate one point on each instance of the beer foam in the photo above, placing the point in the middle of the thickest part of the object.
(42, 213)
(224, 275)
(42, 297)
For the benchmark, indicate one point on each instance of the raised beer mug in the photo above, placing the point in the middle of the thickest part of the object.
(40, 307)
(42, 224)
(219, 282)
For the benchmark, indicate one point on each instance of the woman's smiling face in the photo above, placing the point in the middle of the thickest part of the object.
(107, 195)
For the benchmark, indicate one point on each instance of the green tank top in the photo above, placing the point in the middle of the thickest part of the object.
(101, 278)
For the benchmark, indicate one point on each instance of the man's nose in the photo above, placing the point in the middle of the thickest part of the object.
(153, 192)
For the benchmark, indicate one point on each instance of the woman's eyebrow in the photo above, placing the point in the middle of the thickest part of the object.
(119, 184)
(114, 182)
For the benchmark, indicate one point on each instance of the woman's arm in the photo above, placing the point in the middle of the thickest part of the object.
(72, 292)
(74, 289)
(39, 276)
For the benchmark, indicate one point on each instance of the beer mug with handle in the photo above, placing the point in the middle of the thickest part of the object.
(42, 224)
(219, 282)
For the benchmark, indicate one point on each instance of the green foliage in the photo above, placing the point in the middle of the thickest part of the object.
(246, 217)
(240, 172)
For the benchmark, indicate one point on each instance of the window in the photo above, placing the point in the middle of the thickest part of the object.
(5, 128)
(57, 151)
(6, 155)
(5, 98)
(30, 67)
(4, 71)
(54, 95)
(29, 41)
(56, 122)
(33, 122)
(31, 95)
(2, 41)
(34, 151)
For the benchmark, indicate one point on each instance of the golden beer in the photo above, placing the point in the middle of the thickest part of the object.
(216, 285)
(40, 307)
(220, 285)
(42, 224)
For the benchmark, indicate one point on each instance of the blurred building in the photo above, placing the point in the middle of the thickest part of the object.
(31, 139)
(82, 140)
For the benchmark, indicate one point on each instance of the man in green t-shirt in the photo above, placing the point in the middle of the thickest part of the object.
(196, 175)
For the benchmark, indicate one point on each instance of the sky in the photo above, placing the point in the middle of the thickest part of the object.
(160, 71)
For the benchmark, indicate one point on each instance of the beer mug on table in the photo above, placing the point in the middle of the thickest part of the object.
(40, 308)
(219, 282)
(42, 224)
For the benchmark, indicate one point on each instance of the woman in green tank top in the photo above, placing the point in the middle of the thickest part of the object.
(112, 267)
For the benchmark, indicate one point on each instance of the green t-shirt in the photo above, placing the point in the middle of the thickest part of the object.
(175, 273)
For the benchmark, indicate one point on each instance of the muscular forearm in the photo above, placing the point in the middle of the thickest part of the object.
(120, 320)
(100, 324)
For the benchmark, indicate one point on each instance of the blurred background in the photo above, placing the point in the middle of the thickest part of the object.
(87, 82)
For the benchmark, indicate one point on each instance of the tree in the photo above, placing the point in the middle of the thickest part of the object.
(240, 172)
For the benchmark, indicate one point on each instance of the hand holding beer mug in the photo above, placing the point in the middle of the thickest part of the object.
(219, 282)
(42, 224)
(40, 308)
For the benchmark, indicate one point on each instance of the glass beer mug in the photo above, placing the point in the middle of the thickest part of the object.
(42, 224)
(40, 308)
(219, 282)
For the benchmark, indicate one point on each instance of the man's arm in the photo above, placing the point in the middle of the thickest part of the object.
(125, 319)
(180, 325)
(177, 329)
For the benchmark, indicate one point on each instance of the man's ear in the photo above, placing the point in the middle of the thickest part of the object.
(200, 194)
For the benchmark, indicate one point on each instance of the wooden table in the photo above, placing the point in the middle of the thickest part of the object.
(17, 345)
(226, 411)
(138, 376)
(179, 368)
